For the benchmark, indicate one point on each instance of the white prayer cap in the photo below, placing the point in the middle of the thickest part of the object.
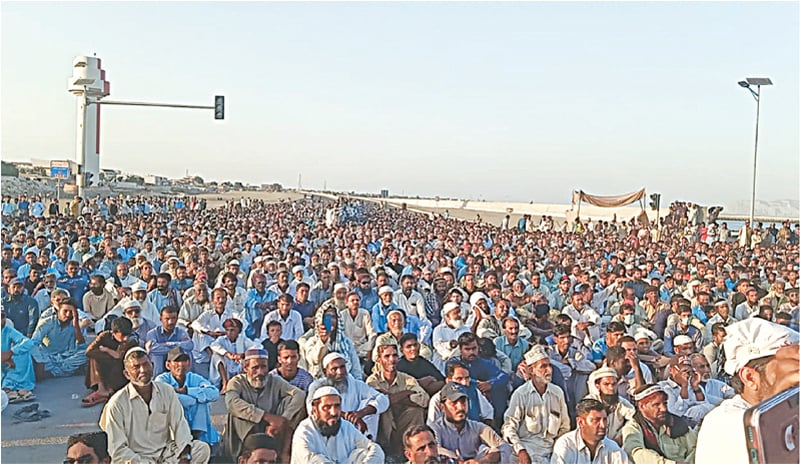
(602, 372)
(754, 338)
(132, 304)
(641, 335)
(385, 289)
(324, 391)
(477, 296)
(297, 269)
(233, 262)
(445, 270)
(133, 350)
(535, 354)
(138, 286)
(338, 287)
(651, 390)
(450, 306)
(258, 259)
(694, 283)
(331, 357)
(681, 340)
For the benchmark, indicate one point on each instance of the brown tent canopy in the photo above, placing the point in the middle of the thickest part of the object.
(612, 201)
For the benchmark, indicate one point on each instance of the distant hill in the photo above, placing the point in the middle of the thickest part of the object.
(776, 208)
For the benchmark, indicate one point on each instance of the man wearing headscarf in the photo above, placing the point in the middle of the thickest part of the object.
(764, 360)
(327, 338)
(603, 387)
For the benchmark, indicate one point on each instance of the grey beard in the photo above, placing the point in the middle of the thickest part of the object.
(341, 387)
(140, 384)
(256, 383)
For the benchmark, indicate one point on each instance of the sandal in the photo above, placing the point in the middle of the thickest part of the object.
(30, 413)
(93, 399)
(19, 396)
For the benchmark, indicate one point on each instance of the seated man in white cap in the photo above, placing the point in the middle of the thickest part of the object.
(144, 421)
(361, 404)
(141, 326)
(685, 396)
(261, 403)
(324, 437)
(764, 359)
(445, 335)
(655, 435)
(603, 387)
(537, 412)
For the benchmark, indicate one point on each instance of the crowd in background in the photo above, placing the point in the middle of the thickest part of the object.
(401, 335)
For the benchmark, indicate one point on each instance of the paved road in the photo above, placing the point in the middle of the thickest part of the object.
(45, 441)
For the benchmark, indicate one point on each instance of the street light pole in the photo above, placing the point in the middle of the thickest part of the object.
(758, 82)
(755, 160)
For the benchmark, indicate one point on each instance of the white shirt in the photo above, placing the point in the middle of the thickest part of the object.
(442, 335)
(690, 407)
(347, 446)
(292, 326)
(413, 305)
(571, 449)
(721, 437)
(716, 391)
(586, 314)
(533, 421)
(357, 395)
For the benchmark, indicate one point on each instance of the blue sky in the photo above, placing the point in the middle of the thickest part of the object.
(506, 101)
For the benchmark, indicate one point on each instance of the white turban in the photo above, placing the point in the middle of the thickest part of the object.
(754, 338)
(536, 353)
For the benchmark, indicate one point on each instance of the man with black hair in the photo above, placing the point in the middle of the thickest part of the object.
(427, 375)
(105, 353)
(257, 449)
(491, 380)
(421, 447)
(588, 443)
(88, 448)
(288, 369)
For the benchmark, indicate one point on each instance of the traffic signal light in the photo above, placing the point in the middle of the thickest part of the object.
(219, 107)
(88, 179)
(655, 200)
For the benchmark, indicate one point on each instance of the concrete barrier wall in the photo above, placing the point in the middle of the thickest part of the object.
(560, 211)
(557, 211)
